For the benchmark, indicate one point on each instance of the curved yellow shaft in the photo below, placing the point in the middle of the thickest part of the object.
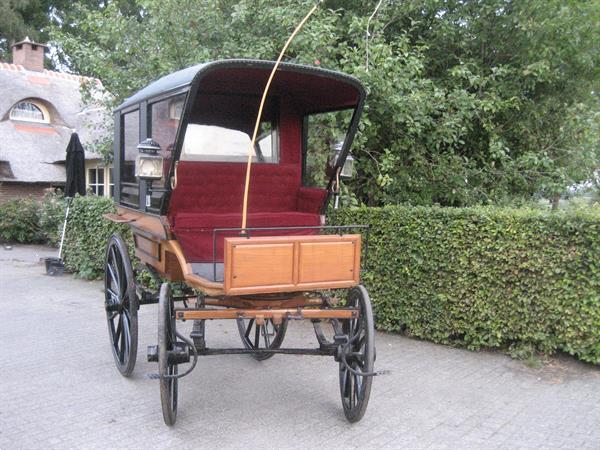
(260, 109)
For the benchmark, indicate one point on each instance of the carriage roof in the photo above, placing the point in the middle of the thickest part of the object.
(192, 77)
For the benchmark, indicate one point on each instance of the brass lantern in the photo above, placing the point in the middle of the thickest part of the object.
(348, 168)
(149, 163)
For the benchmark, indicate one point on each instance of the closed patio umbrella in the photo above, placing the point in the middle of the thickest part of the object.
(75, 167)
(75, 184)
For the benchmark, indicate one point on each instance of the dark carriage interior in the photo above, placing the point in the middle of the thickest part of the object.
(209, 193)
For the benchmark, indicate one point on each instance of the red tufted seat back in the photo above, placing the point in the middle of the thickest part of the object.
(210, 195)
(219, 188)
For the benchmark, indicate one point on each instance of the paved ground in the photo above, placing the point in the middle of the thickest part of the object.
(59, 388)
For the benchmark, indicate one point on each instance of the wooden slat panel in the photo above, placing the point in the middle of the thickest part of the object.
(146, 246)
(262, 265)
(326, 261)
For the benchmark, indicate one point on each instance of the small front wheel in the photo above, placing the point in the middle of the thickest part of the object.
(166, 341)
(356, 364)
(256, 337)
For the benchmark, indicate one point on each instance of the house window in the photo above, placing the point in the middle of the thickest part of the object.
(100, 180)
(96, 180)
(111, 183)
(29, 111)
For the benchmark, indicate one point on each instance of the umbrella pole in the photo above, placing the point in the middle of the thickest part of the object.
(62, 238)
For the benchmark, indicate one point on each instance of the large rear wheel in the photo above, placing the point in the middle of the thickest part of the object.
(166, 342)
(356, 364)
(121, 304)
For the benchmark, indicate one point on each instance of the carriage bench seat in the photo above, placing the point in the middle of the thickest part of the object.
(209, 196)
(195, 230)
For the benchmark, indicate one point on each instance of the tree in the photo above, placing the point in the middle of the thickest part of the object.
(34, 18)
(470, 102)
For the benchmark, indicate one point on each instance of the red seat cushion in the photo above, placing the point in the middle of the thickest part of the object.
(195, 230)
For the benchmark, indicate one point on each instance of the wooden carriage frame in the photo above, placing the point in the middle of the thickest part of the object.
(270, 275)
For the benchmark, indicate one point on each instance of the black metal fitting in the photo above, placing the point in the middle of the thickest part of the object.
(340, 341)
(152, 353)
(111, 305)
(180, 353)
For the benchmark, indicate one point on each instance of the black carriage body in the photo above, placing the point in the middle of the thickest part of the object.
(171, 102)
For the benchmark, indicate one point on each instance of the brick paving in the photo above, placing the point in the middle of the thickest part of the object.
(59, 387)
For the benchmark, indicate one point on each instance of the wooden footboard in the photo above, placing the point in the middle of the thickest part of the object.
(291, 263)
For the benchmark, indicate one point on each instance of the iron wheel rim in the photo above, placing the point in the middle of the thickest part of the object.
(166, 340)
(121, 305)
(355, 389)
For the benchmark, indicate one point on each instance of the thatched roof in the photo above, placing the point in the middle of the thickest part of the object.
(36, 152)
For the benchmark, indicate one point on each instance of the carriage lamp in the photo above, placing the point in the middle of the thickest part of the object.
(149, 164)
(348, 168)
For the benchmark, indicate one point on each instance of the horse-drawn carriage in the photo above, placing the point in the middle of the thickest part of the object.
(244, 234)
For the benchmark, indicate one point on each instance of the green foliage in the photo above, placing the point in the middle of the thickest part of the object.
(32, 221)
(521, 280)
(19, 221)
(469, 102)
(34, 18)
(87, 235)
(51, 218)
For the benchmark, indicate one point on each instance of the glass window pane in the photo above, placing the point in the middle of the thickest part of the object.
(164, 122)
(176, 107)
(131, 133)
(100, 190)
(100, 176)
(92, 176)
(325, 134)
(221, 130)
(129, 187)
(27, 111)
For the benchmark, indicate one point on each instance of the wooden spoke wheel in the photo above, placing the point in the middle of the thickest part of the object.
(121, 304)
(256, 337)
(355, 388)
(166, 342)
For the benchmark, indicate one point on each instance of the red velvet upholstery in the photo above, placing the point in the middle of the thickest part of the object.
(310, 200)
(219, 188)
(209, 196)
(311, 92)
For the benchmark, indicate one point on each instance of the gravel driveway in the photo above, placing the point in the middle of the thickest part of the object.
(60, 389)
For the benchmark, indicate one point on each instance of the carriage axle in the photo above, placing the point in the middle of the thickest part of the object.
(153, 352)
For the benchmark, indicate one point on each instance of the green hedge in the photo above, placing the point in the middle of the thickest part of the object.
(32, 221)
(87, 235)
(521, 280)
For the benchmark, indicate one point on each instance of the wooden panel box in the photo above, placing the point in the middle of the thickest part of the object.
(291, 263)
